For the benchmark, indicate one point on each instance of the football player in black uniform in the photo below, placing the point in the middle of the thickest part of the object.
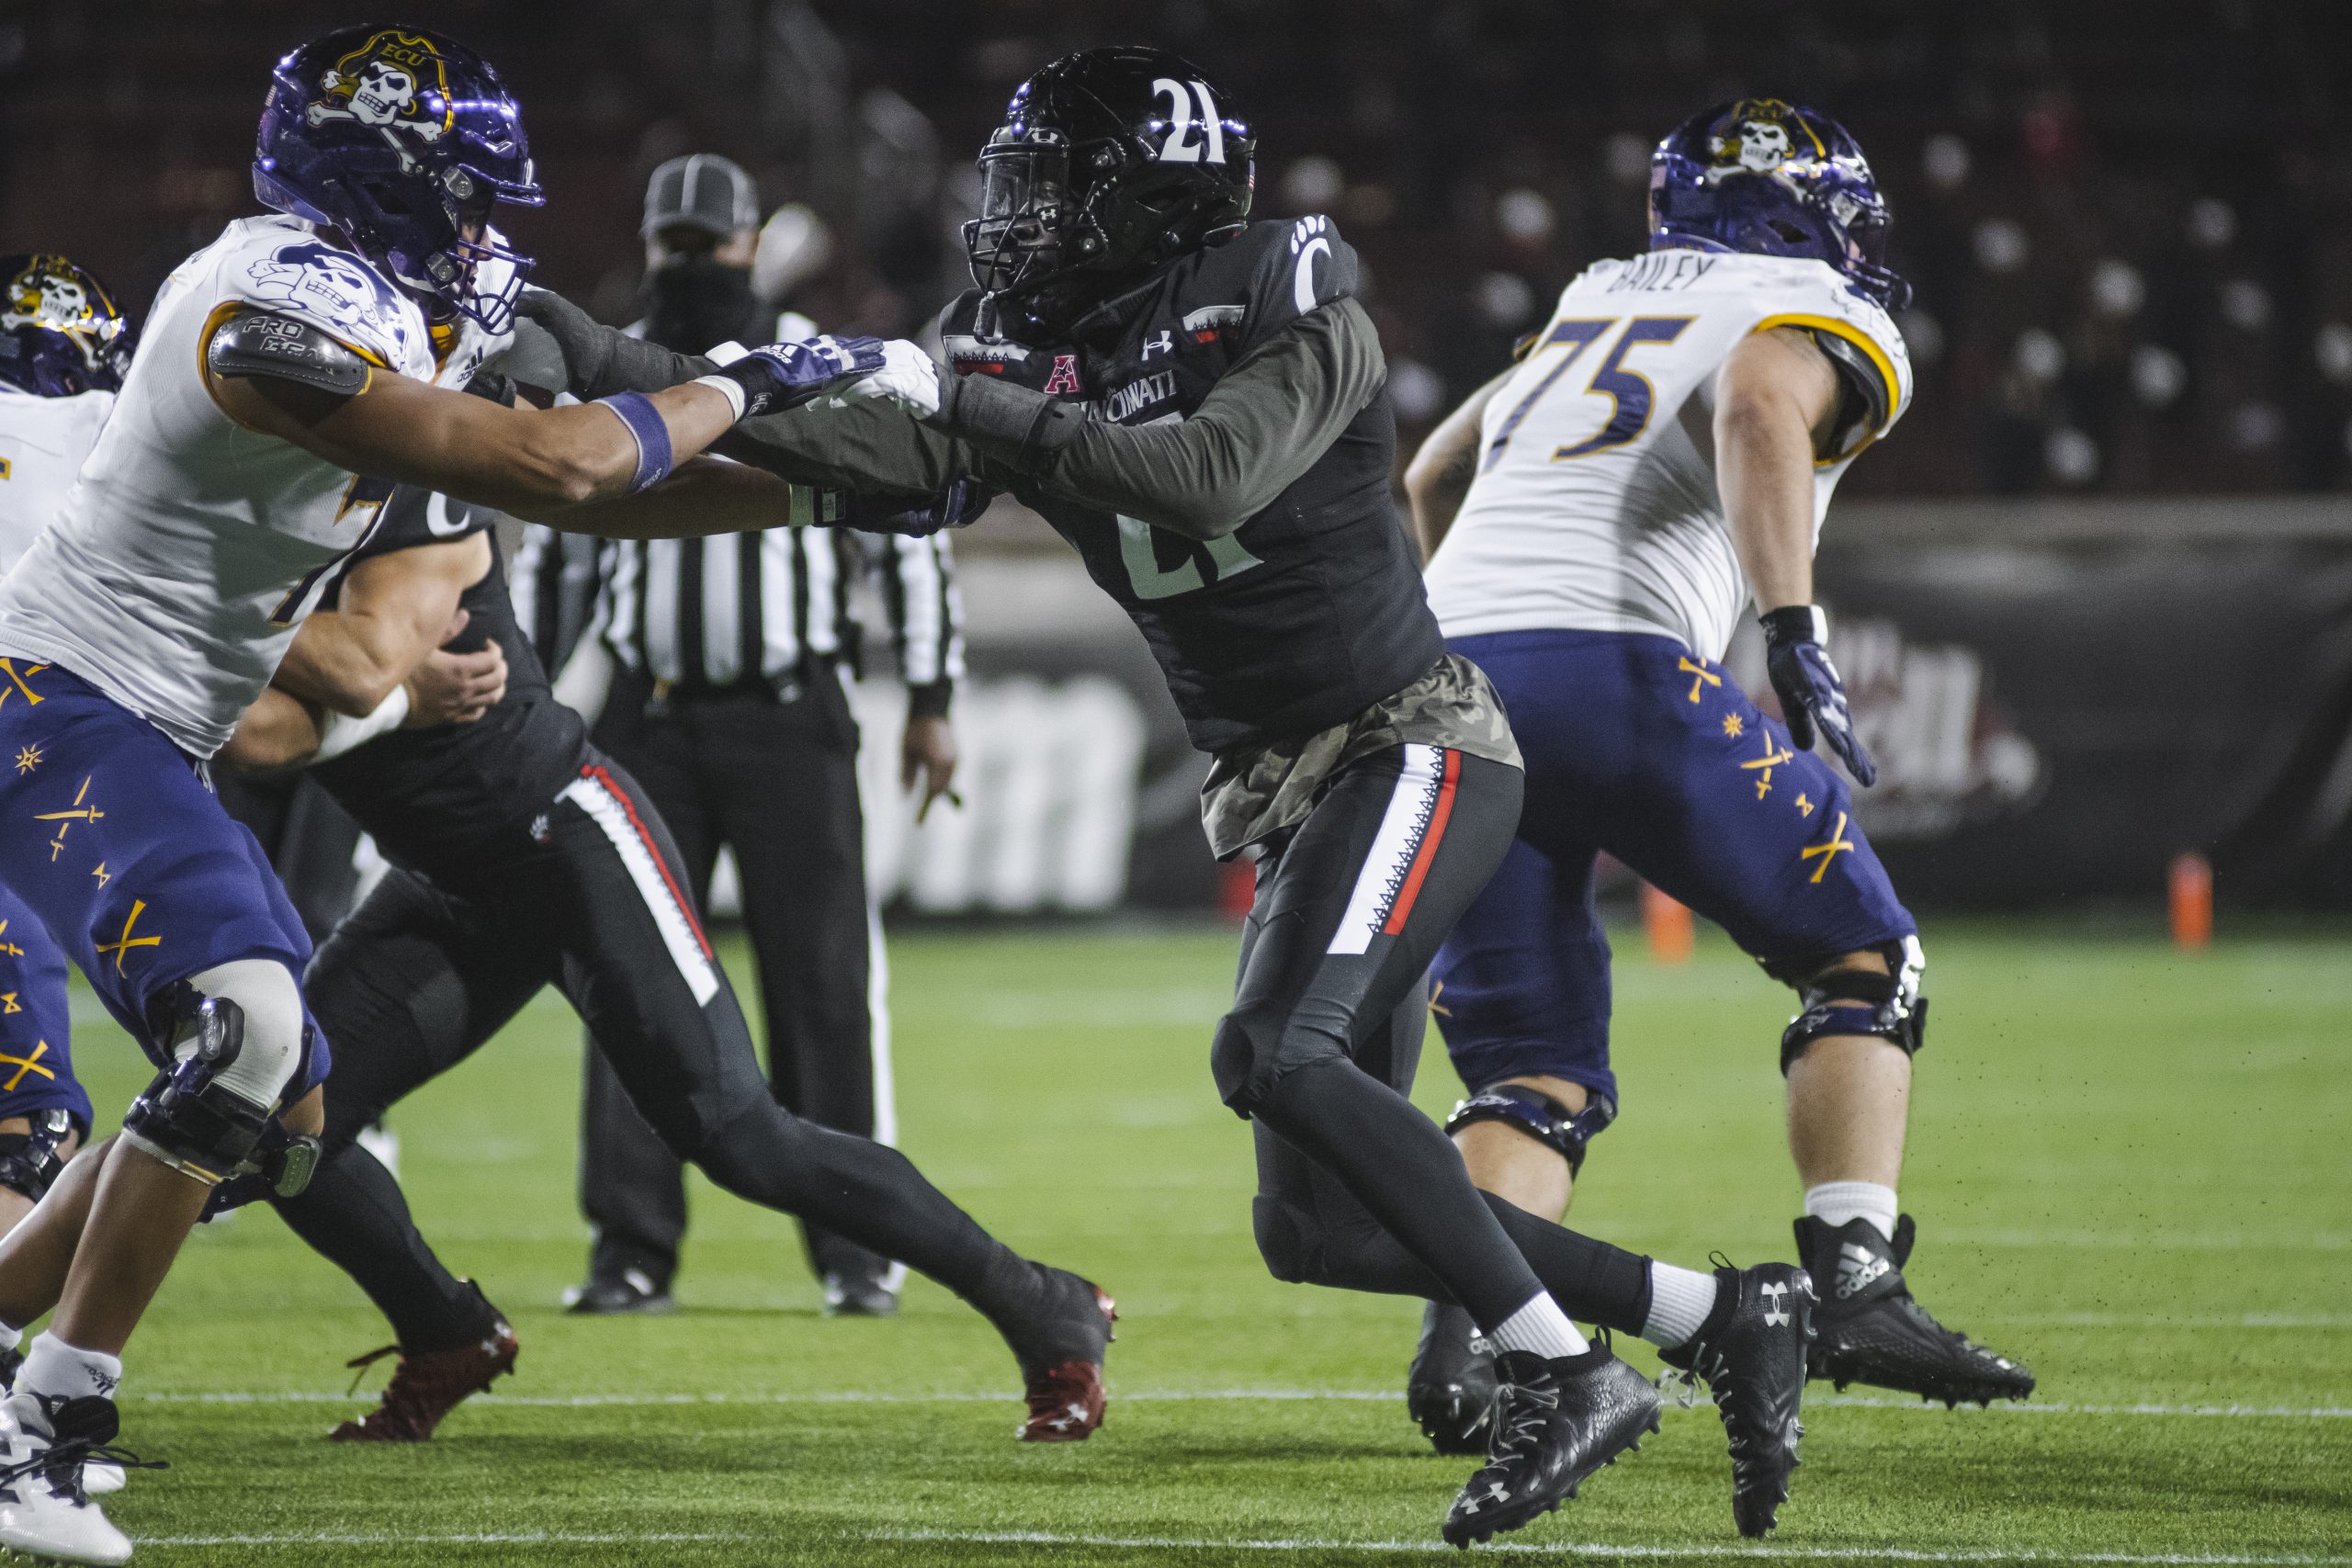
(1199, 405)
(523, 858)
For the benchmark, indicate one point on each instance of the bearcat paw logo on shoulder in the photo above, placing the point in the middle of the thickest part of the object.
(313, 277)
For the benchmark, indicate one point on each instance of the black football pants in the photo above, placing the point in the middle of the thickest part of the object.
(591, 901)
(1356, 1188)
(777, 780)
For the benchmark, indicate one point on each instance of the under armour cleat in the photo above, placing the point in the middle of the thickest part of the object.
(1061, 1354)
(1449, 1389)
(630, 1292)
(1873, 1331)
(1751, 1353)
(1555, 1423)
(428, 1384)
(45, 1511)
(860, 1293)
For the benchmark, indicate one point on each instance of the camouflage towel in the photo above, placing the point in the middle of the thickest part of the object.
(1258, 791)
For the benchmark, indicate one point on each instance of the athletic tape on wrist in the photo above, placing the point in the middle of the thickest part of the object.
(652, 435)
(341, 732)
(726, 387)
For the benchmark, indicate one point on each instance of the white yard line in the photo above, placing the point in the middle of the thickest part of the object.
(393, 1538)
(1269, 1395)
(1604, 1550)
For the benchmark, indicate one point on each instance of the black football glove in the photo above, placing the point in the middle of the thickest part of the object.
(786, 375)
(958, 506)
(1811, 695)
(584, 343)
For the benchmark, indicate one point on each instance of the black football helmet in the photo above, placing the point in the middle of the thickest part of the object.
(1110, 162)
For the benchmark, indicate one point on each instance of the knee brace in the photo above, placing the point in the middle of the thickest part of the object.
(211, 1114)
(28, 1161)
(1862, 1001)
(1537, 1114)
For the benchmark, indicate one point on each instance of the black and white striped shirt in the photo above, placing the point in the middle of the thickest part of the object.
(742, 609)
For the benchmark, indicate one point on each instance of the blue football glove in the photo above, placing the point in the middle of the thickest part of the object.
(1811, 695)
(786, 375)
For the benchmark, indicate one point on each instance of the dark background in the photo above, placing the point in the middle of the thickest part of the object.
(2130, 221)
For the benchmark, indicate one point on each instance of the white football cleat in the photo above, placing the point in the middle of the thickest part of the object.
(44, 1511)
(100, 1476)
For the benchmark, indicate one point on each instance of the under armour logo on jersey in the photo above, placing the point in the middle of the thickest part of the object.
(1858, 1266)
(1065, 375)
(1164, 344)
(1777, 1311)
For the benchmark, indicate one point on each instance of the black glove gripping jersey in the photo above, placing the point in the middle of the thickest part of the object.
(433, 796)
(1309, 611)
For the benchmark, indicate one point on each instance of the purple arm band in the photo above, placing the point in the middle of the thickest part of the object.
(644, 421)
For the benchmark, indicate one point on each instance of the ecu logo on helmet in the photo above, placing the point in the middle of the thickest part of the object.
(393, 84)
(50, 291)
(1759, 136)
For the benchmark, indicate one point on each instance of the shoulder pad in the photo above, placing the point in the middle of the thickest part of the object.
(1871, 399)
(1299, 265)
(256, 343)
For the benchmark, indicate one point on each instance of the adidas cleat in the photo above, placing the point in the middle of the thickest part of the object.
(1873, 1331)
(1449, 1389)
(1063, 1371)
(1751, 1353)
(1554, 1424)
(45, 1511)
(428, 1384)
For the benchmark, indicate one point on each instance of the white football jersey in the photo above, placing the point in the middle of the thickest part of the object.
(1594, 505)
(192, 547)
(42, 443)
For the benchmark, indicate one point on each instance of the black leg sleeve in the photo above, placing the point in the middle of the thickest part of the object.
(637, 968)
(407, 988)
(632, 1188)
(1349, 914)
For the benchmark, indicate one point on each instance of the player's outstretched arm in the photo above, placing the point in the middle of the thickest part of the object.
(863, 447)
(1776, 407)
(284, 378)
(1264, 424)
(1438, 477)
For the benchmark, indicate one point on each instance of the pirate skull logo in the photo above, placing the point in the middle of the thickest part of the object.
(1761, 145)
(392, 83)
(46, 295)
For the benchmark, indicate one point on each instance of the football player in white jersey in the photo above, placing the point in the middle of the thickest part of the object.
(291, 372)
(63, 344)
(1597, 518)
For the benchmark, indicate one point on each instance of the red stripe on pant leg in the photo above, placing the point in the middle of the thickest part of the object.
(1427, 851)
(628, 808)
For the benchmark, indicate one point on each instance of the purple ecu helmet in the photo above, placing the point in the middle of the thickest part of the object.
(60, 332)
(1773, 179)
(402, 141)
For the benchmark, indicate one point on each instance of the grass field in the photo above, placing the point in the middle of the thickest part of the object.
(2132, 1167)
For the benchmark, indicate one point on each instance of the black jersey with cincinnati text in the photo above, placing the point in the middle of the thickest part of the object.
(1312, 609)
(435, 798)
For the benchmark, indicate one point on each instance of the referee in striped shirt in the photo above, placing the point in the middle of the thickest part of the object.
(726, 659)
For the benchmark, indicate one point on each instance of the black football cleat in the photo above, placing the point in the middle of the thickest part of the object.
(860, 1293)
(1449, 1389)
(1062, 1346)
(625, 1292)
(1873, 1331)
(1555, 1423)
(1751, 1353)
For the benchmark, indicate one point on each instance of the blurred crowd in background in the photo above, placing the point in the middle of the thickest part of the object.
(2129, 223)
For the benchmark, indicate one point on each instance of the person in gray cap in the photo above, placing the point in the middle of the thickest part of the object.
(721, 663)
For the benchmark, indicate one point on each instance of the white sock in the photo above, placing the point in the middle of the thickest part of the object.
(54, 1366)
(1540, 1326)
(1842, 1203)
(1680, 1300)
(10, 1337)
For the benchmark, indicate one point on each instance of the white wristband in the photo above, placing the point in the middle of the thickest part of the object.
(726, 387)
(341, 732)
